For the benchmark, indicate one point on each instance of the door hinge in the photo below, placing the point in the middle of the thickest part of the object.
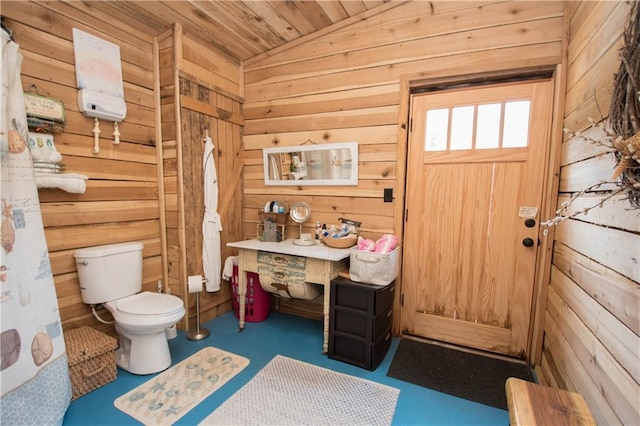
(402, 299)
(406, 215)
(410, 124)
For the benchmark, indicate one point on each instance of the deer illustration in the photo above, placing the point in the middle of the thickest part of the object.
(282, 286)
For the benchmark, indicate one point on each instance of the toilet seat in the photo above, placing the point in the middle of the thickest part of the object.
(149, 303)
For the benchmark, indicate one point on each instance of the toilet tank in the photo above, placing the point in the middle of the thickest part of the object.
(109, 272)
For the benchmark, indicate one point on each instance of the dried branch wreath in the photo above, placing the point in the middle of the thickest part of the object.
(624, 113)
(622, 129)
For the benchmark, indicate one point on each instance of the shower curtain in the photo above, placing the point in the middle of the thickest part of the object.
(34, 374)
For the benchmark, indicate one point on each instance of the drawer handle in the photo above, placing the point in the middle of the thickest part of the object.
(279, 259)
(279, 274)
(93, 373)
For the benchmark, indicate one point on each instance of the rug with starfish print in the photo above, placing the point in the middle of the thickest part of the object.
(169, 395)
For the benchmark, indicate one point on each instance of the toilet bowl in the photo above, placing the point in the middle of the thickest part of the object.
(111, 275)
(141, 321)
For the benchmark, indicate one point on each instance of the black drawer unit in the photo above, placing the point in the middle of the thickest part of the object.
(360, 317)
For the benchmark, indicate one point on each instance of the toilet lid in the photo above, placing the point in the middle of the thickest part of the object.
(148, 303)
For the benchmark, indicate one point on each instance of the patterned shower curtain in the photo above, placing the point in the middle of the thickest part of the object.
(34, 375)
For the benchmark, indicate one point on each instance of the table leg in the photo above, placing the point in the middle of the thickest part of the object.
(325, 314)
(242, 289)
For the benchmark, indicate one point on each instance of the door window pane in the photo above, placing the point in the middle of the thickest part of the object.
(516, 124)
(436, 131)
(462, 119)
(488, 135)
(496, 125)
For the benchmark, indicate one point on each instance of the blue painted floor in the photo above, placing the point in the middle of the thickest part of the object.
(296, 338)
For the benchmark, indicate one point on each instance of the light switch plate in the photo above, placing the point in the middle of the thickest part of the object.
(388, 195)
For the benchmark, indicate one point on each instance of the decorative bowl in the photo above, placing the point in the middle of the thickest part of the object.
(341, 243)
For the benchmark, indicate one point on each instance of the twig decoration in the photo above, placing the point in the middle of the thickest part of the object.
(624, 112)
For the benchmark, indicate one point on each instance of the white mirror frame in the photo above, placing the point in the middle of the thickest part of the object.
(343, 173)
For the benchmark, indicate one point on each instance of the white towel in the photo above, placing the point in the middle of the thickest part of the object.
(43, 148)
(227, 271)
(70, 182)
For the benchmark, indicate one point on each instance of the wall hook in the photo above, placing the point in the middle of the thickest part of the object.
(116, 133)
(8, 31)
(96, 136)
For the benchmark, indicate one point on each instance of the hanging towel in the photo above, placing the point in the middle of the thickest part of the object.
(227, 271)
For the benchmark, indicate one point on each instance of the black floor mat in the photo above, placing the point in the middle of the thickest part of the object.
(470, 376)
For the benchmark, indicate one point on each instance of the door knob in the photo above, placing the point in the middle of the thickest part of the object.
(530, 223)
(527, 242)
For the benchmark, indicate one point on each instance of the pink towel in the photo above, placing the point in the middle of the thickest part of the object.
(386, 244)
(366, 245)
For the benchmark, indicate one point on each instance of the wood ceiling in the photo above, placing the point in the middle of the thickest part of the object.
(242, 29)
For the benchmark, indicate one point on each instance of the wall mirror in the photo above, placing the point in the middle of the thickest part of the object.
(326, 164)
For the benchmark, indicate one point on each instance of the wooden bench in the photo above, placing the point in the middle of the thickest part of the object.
(534, 404)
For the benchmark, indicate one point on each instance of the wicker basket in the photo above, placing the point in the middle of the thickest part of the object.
(92, 360)
(342, 243)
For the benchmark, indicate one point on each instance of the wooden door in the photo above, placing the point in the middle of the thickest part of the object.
(476, 167)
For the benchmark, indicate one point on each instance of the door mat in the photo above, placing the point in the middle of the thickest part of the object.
(291, 392)
(168, 396)
(465, 375)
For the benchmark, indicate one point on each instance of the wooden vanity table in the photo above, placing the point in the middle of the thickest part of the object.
(321, 265)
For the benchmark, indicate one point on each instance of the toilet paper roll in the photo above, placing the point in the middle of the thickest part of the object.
(194, 283)
(171, 332)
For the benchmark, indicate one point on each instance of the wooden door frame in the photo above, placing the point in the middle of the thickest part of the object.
(408, 85)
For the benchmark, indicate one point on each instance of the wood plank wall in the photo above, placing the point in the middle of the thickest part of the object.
(592, 326)
(346, 83)
(123, 201)
(345, 86)
(208, 100)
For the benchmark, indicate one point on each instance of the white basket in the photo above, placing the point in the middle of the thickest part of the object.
(373, 268)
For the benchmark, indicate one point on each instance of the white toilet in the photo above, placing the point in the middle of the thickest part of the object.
(112, 275)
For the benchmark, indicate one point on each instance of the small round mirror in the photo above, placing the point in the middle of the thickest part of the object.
(300, 213)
